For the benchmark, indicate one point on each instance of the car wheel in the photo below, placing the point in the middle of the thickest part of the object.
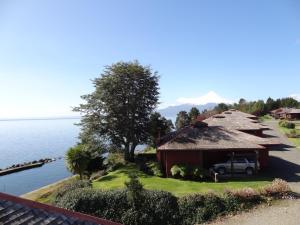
(249, 171)
(221, 170)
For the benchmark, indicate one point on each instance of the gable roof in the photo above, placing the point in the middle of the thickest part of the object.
(286, 111)
(17, 211)
(294, 111)
(209, 138)
(234, 121)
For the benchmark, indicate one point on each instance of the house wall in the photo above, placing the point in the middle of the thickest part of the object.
(263, 158)
(293, 116)
(203, 159)
(172, 157)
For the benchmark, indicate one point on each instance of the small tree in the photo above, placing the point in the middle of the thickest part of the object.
(221, 107)
(77, 160)
(135, 190)
(194, 112)
(182, 120)
(158, 127)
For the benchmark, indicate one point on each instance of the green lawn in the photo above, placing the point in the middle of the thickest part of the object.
(46, 194)
(295, 141)
(116, 179)
(265, 118)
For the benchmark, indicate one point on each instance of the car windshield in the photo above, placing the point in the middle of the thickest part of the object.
(236, 160)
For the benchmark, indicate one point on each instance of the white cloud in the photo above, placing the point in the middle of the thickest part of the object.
(295, 96)
(210, 97)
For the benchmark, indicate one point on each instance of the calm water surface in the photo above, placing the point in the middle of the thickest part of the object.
(28, 140)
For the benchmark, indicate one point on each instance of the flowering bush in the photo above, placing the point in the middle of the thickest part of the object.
(278, 187)
(246, 193)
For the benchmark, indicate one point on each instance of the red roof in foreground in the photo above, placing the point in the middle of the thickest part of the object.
(15, 210)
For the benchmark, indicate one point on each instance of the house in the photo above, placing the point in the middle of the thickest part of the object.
(276, 113)
(17, 211)
(292, 114)
(286, 113)
(214, 140)
(236, 120)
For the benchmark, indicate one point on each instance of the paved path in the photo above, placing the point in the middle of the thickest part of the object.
(284, 163)
(282, 213)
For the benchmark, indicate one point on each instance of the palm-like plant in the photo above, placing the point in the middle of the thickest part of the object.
(77, 160)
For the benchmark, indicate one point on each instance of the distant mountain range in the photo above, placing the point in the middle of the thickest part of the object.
(172, 111)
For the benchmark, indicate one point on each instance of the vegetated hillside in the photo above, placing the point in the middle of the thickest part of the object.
(172, 111)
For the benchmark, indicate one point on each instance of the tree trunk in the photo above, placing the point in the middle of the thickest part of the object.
(132, 152)
(126, 153)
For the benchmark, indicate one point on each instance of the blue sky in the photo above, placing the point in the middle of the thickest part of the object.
(50, 50)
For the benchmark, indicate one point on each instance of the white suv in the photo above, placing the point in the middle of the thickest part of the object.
(240, 165)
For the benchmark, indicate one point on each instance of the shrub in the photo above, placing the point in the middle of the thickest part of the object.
(197, 208)
(154, 207)
(134, 190)
(198, 173)
(162, 208)
(70, 187)
(293, 134)
(114, 161)
(175, 171)
(286, 124)
(187, 171)
(232, 203)
(150, 149)
(105, 204)
(154, 168)
(180, 170)
(241, 199)
(277, 188)
(214, 205)
(188, 205)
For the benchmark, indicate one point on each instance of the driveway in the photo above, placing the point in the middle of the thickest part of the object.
(284, 163)
(281, 213)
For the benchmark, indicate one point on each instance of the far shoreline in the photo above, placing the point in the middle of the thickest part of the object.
(46, 118)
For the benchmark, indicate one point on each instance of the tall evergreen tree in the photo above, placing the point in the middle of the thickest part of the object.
(182, 120)
(158, 127)
(194, 112)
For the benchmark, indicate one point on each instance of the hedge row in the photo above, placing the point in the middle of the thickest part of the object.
(159, 207)
(286, 124)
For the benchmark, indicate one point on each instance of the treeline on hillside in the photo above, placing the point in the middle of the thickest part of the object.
(259, 107)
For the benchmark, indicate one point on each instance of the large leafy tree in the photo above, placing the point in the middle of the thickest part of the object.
(119, 109)
(182, 120)
(158, 127)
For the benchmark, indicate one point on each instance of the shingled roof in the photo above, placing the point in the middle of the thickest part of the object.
(17, 211)
(209, 138)
(294, 111)
(235, 120)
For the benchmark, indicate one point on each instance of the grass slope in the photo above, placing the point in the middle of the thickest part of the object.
(46, 194)
(295, 141)
(116, 179)
(265, 118)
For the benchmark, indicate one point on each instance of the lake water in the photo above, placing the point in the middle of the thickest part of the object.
(28, 140)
